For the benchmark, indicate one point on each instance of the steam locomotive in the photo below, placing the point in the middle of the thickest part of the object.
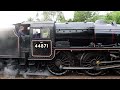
(92, 47)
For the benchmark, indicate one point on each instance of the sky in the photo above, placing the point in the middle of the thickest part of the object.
(12, 17)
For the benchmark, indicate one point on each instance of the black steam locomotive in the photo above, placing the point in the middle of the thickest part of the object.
(60, 47)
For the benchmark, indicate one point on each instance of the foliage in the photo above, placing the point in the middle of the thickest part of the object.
(88, 16)
(113, 16)
(53, 16)
(47, 16)
(81, 16)
(60, 17)
(30, 19)
(70, 20)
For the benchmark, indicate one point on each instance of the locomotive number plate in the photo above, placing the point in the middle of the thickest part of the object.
(41, 48)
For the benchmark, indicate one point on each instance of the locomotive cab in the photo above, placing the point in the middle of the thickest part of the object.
(36, 39)
(42, 39)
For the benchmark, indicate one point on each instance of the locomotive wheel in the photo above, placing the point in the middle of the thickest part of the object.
(78, 63)
(117, 70)
(62, 58)
(90, 60)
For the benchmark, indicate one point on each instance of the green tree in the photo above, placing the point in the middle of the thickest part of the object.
(70, 20)
(81, 16)
(113, 16)
(37, 17)
(53, 16)
(60, 17)
(96, 17)
(48, 15)
(34, 19)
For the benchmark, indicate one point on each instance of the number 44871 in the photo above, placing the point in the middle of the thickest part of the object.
(41, 45)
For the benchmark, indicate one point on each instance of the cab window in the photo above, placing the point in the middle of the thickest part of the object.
(41, 33)
(45, 33)
(36, 33)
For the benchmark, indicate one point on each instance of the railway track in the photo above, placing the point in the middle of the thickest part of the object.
(109, 75)
(65, 77)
